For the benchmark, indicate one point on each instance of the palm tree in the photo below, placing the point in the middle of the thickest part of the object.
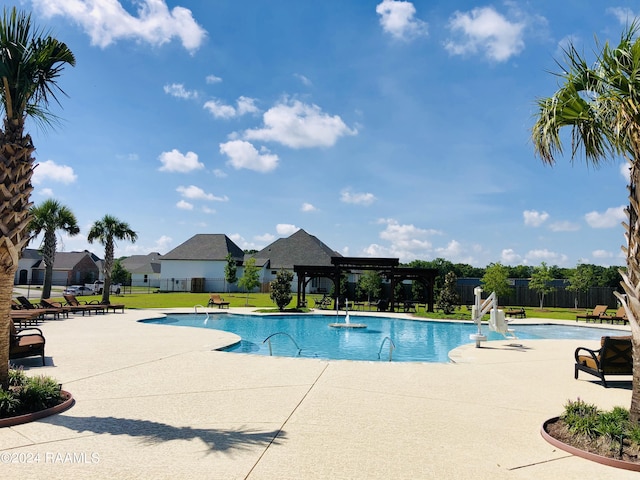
(106, 230)
(48, 217)
(30, 63)
(601, 105)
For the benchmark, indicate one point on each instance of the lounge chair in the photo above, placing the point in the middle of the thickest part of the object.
(45, 310)
(27, 342)
(77, 306)
(613, 358)
(516, 312)
(619, 316)
(24, 317)
(215, 299)
(596, 314)
(64, 309)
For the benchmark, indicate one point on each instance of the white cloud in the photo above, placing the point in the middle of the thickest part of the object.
(484, 29)
(184, 205)
(177, 90)
(307, 207)
(219, 173)
(357, 198)
(196, 193)
(106, 21)
(406, 242)
(625, 172)
(265, 239)
(208, 210)
(220, 110)
(564, 226)
(510, 257)
(602, 254)
(298, 125)
(243, 106)
(213, 79)
(624, 15)
(612, 217)
(174, 161)
(52, 172)
(285, 229)
(305, 81)
(46, 192)
(397, 19)
(533, 218)
(534, 257)
(244, 155)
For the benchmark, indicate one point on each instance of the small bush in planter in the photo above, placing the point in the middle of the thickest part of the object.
(28, 394)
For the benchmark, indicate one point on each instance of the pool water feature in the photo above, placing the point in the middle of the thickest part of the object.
(414, 341)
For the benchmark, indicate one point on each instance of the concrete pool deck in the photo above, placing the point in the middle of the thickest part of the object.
(156, 401)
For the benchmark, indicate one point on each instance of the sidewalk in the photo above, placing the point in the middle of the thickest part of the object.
(156, 402)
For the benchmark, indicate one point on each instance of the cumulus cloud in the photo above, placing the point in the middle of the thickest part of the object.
(50, 171)
(625, 172)
(196, 193)
(398, 19)
(564, 226)
(265, 238)
(286, 229)
(243, 106)
(612, 217)
(534, 257)
(307, 207)
(485, 30)
(405, 241)
(106, 21)
(362, 198)
(533, 218)
(210, 79)
(244, 155)
(299, 125)
(602, 254)
(305, 81)
(175, 161)
(177, 90)
(184, 205)
(624, 15)
(509, 257)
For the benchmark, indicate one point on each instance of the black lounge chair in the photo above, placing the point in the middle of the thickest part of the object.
(613, 358)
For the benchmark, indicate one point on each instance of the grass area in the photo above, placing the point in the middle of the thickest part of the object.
(261, 301)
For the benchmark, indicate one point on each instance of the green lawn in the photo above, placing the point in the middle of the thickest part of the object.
(263, 302)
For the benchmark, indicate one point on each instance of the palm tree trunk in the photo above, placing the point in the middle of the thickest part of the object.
(108, 264)
(631, 284)
(49, 256)
(16, 168)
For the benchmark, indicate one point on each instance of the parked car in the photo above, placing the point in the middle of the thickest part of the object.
(78, 290)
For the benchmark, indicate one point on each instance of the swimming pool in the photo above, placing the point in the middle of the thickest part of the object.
(311, 336)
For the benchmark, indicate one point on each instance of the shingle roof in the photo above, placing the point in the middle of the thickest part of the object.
(298, 249)
(142, 263)
(205, 246)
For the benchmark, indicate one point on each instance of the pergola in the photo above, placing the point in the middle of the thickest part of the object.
(387, 267)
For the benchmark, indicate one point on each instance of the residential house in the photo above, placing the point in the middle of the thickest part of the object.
(197, 265)
(301, 248)
(69, 268)
(144, 269)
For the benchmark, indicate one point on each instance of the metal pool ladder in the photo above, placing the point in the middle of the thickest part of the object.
(268, 339)
(392, 346)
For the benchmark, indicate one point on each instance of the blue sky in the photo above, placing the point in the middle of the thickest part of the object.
(385, 128)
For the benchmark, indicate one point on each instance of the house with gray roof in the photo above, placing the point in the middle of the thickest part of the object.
(144, 269)
(301, 248)
(69, 268)
(197, 265)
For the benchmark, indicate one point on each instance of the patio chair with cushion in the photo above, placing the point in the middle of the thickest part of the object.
(596, 314)
(613, 358)
(77, 306)
(28, 342)
(620, 316)
(215, 299)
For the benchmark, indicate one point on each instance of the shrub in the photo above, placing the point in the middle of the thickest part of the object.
(40, 393)
(9, 403)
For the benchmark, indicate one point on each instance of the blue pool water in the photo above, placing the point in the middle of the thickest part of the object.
(415, 341)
